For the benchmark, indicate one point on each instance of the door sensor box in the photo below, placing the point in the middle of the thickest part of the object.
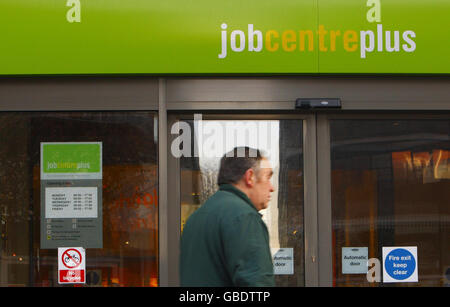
(317, 103)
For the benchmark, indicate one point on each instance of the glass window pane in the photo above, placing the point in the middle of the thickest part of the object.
(282, 141)
(390, 187)
(129, 256)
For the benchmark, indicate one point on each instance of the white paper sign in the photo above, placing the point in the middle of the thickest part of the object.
(75, 202)
(283, 261)
(354, 260)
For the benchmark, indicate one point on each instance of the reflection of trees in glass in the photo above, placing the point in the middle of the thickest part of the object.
(387, 190)
(15, 212)
(290, 198)
(130, 181)
(14, 163)
(209, 174)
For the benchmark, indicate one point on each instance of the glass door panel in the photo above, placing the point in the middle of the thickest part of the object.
(129, 255)
(390, 183)
(282, 142)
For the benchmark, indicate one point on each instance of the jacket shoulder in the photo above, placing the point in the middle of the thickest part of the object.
(232, 203)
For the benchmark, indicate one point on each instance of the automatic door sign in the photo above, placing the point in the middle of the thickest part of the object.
(354, 260)
(400, 264)
(71, 265)
(283, 261)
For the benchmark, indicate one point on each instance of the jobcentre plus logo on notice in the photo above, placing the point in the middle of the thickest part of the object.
(322, 39)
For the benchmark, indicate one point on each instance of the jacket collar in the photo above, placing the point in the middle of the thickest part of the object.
(236, 191)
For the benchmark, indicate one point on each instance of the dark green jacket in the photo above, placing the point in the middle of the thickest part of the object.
(226, 243)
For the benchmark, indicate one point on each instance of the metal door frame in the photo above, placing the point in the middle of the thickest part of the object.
(310, 191)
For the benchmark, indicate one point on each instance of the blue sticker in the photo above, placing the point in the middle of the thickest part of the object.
(400, 264)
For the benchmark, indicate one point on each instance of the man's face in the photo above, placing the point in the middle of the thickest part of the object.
(262, 187)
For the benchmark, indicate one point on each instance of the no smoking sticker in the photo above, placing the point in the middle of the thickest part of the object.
(71, 265)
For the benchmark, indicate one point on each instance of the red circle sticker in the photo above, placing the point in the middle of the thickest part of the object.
(71, 258)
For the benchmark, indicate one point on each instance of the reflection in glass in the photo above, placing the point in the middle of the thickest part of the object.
(281, 141)
(129, 256)
(390, 187)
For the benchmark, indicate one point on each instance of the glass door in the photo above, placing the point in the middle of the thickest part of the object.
(349, 190)
(198, 146)
(388, 187)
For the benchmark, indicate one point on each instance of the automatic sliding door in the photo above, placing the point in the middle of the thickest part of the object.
(390, 183)
(282, 142)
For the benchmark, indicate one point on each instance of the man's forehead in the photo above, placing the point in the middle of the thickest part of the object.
(265, 164)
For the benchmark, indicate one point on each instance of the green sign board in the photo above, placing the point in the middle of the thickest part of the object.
(71, 160)
(71, 195)
(222, 37)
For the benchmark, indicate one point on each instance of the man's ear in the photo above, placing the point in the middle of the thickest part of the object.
(249, 177)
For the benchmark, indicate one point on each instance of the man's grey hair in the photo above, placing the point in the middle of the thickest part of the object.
(236, 162)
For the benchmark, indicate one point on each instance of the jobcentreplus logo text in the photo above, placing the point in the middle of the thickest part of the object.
(381, 39)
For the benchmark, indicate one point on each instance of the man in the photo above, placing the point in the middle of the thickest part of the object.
(225, 242)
